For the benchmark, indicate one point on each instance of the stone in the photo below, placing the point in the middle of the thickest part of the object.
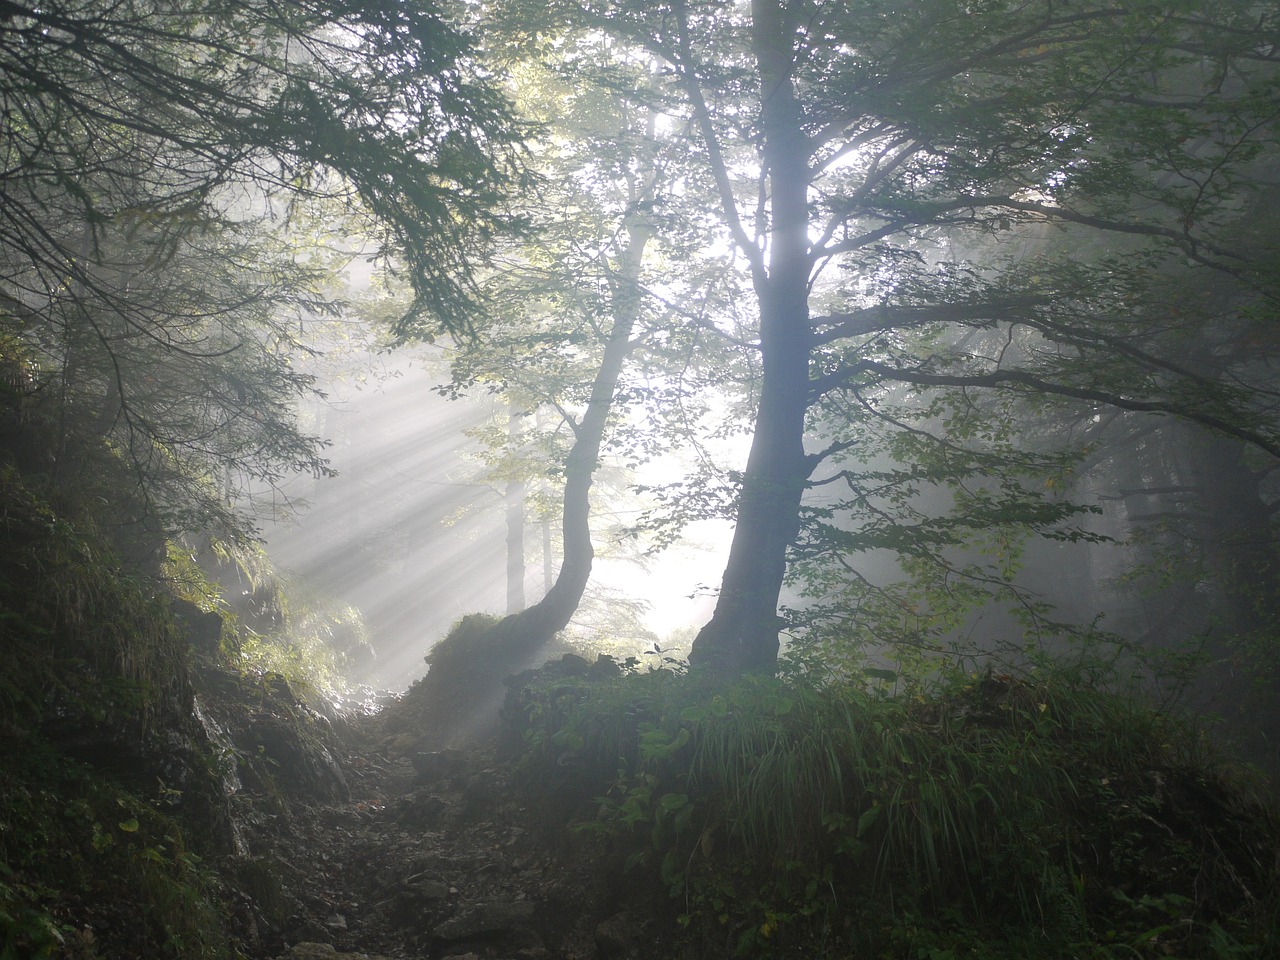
(485, 919)
(323, 951)
(427, 890)
(422, 810)
(617, 936)
(439, 765)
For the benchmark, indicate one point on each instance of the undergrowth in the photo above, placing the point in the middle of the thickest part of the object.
(270, 627)
(88, 869)
(980, 816)
(93, 861)
(81, 634)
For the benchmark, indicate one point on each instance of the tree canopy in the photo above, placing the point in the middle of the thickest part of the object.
(937, 258)
(173, 175)
(890, 176)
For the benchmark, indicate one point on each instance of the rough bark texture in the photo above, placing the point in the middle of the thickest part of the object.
(742, 634)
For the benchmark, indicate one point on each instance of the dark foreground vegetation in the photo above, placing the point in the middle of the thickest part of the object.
(969, 815)
(983, 816)
(991, 289)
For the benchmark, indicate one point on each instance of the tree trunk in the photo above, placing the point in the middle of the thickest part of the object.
(513, 496)
(742, 634)
(464, 686)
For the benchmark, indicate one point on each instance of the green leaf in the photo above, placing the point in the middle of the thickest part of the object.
(868, 819)
(673, 801)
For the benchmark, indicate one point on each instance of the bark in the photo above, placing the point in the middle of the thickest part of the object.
(513, 496)
(553, 612)
(463, 688)
(742, 634)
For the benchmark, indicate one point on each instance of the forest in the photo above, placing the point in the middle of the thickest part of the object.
(349, 350)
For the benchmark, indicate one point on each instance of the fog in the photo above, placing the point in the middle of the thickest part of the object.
(412, 534)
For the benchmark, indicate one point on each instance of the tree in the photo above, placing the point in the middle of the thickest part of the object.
(578, 340)
(156, 156)
(889, 139)
(574, 307)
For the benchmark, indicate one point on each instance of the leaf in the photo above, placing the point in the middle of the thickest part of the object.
(130, 825)
(673, 801)
(868, 819)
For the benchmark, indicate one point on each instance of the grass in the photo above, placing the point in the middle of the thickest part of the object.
(92, 860)
(1004, 815)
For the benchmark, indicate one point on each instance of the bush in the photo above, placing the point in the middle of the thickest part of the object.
(987, 816)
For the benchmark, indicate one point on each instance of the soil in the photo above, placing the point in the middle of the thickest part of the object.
(433, 854)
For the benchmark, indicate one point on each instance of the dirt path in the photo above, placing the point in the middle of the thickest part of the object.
(433, 856)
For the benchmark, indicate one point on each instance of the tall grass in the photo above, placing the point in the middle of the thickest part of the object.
(997, 802)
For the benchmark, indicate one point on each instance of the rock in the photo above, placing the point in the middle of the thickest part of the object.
(439, 765)
(204, 630)
(303, 929)
(421, 810)
(309, 951)
(618, 936)
(427, 890)
(323, 951)
(486, 919)
(302, 763)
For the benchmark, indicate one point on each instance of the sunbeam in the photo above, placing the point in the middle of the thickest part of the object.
(412, 535)
(401, 533)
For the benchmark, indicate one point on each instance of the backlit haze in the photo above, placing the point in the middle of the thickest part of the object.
(412, 535)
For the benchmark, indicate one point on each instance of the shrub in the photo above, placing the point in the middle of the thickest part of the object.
(1004, 815)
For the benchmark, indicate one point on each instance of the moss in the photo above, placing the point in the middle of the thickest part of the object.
(470, 645)
(83, 634)
(84, 860)
(95, 861)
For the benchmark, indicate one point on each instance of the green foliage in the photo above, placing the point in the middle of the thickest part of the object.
(82, 634)
(470, 643)
(269, 626)
(305, 648)
(91, 650)
(983, 815)
(87, 869)
(169, 256)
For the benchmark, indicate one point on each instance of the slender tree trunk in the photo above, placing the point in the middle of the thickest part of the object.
(513, 495)
(553, 612)
(742, 634)
(464, 685)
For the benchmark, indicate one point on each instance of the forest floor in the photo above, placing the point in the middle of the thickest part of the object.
(433, 855)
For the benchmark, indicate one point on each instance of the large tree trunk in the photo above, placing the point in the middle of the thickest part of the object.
(742, 634)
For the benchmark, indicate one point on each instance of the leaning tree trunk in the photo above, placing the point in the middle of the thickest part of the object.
(742, 634)
(463, 689)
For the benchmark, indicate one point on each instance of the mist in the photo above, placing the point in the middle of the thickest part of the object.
(412, 534)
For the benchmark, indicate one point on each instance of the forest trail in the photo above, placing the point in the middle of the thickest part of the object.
(434, 855)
